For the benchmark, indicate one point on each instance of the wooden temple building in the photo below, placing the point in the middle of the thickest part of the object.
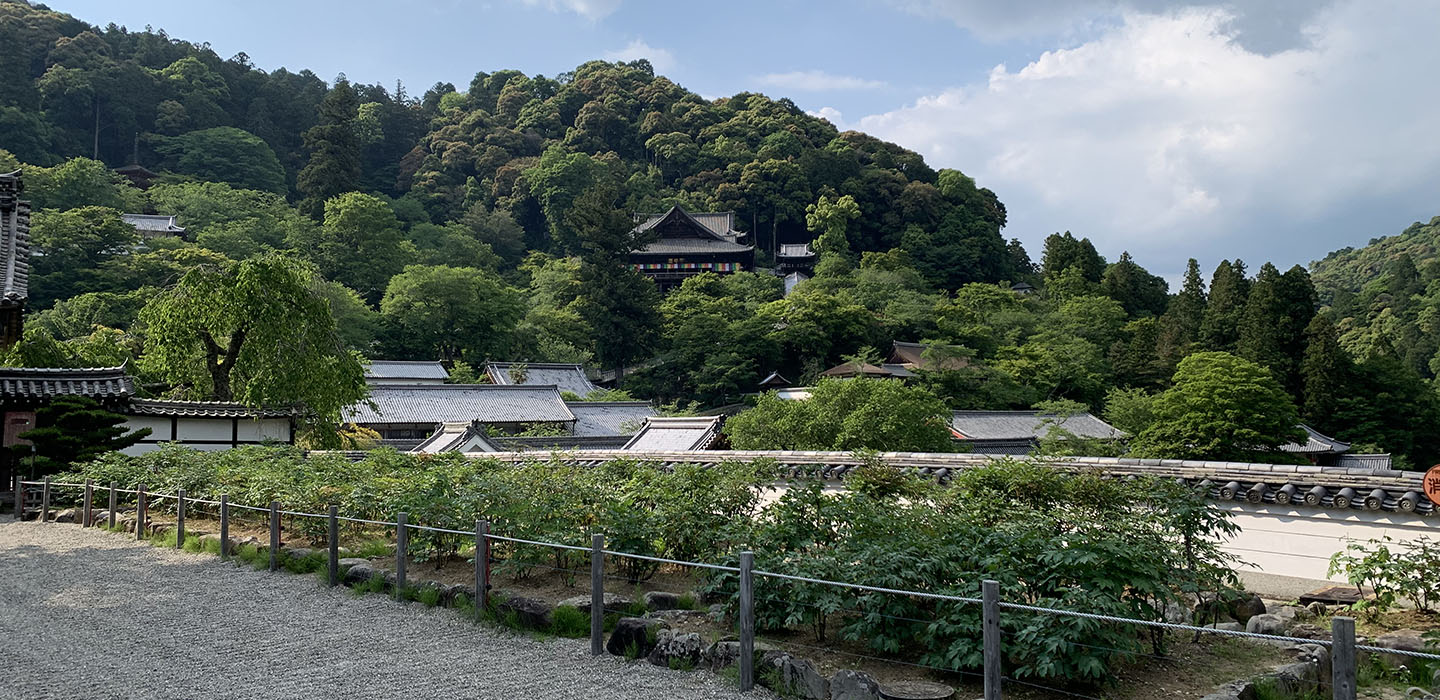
(14, 258)
(688, 244)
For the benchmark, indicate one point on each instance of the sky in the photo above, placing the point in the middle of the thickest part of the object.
(1266, 129)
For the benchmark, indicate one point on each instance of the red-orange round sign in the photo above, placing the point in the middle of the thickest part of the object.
(1432, 484)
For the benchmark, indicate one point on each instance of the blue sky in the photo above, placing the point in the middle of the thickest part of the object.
(1269, 130)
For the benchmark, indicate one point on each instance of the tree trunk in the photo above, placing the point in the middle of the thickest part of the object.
(220, 362)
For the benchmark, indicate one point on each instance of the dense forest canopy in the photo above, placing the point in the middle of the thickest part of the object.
(493, 221)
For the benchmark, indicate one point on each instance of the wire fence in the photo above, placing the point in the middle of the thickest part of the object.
(1003, 625)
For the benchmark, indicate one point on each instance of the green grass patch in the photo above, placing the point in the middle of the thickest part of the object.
(429, 596)
(302, 565)
(193, 544)
(376, 584)
(1269, 689)
(688, 601)
(210, 547)
(372, 549)
(569, 621)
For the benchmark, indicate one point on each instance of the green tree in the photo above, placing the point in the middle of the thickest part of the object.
(1220, 407)
(846, 415)
(259, 332)
(80, 182)
(1142, 293)
(334, 166)
(1229, 290)
(1180, 326)
(828, 218)
(360, 245)
(457, 313)
(1064, 251)
(73, 430)
(226, 154)
(70, 246)
(618, 303)
(1325, 372)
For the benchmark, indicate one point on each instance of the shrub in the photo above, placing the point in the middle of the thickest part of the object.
(567, 621)
(1394, 570)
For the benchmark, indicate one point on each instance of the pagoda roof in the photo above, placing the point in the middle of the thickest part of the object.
(708, 233)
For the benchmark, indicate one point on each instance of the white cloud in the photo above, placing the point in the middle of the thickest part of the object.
(1165, 136)
(1260, 25)
(817, 81)
(661, 59)
(831, 115)
(590, 9)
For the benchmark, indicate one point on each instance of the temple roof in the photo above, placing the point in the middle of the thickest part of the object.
(609, 418)
(403, 371)
(95, 382)
(457, 437)
(675, 434)
(1027, 425)
(153, 224)
(695, 233)
(1315, 443)
(14, 241)
(203, 409)
(454, 403)
(565, 376)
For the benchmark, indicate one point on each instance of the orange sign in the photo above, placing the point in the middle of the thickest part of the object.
(1432, 484)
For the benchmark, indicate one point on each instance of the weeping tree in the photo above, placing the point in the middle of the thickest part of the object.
(258, 332)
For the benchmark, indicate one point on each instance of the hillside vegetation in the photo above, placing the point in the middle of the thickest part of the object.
(334, 222)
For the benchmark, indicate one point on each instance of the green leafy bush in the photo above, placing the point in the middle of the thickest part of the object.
(1394, 570)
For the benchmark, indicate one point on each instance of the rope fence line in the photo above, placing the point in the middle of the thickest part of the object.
(1342, 642)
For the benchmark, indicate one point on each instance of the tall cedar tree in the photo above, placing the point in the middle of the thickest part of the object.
(76, 429)
(334, 147)
(618, 302)
(1229, 288)
(1064, 251)
(1180, 326)
(1326, 374)
(1141, 293)
(1263, 322)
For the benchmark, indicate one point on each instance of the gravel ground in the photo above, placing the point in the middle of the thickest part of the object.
(88, 614)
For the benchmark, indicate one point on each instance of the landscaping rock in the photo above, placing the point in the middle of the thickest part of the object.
(726, 653)
(611, 603)
(358, 574)
(1234, 690)
(451, 593)
(1317, 609)
(298, 552)
(1266, 624)
(1307, 631)
(853, 685)
(1403, 640)
(69, 515)
(1246, 607)
(1226, 626)
(678, 651)
(634, 637)
(529, 612)
(1294, 679)
(351, 562)
(793, 676)
(1177, 614)
(916, 690)
(661, 600)
(1291, 613)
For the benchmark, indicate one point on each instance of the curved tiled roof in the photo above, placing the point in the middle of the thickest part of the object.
(675, 434)
(609, 418)
(203, 409)
(453, 403)
(564, 376)
(406, 369)
(14, 241)
(1027, 425)
(42, 382)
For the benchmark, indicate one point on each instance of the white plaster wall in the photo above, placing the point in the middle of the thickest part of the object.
(277, 429)
(1297, 542)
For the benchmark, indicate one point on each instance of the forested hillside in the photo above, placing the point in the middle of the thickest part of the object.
(493, 221)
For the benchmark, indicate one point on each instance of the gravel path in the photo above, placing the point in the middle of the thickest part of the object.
(88, 614)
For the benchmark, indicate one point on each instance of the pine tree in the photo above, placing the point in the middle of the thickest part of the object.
(1229, 289)
(1141, 293)
(76, 429)
(619, 303)
(334, 166)
(1180, 326)
(1325, 372)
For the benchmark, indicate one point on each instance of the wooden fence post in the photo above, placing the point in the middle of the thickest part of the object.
(402, 553)
(482, 568)
(45, 502)
(274, 535)
(140, 512)
(224, 527)
(19, 495)
(747, 621)
(597, 594)
(990, 631)
(1342, 657)
(85, 511)
(179, 518)
(334, 545)
(114, 503)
